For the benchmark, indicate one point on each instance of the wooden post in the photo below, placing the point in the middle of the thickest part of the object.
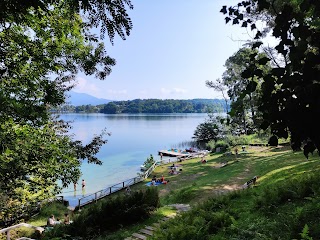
(110, 190)
(79, 203)
(95, 197)
(8, 235)
(123, 184)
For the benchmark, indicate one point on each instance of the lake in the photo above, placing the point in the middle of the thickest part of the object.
(133, 138)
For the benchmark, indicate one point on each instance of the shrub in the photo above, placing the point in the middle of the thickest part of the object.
(210, 146)
(233, 140)
(273, 141)
(223, 145)
(110, 214)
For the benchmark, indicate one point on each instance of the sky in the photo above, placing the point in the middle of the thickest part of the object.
(173, 48)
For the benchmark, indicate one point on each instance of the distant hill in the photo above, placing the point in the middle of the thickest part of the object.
(78, 99)
(165, 106)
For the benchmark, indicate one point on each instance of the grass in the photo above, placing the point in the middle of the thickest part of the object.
(198, 183)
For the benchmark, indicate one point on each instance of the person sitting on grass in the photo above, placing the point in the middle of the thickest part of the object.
(153, 182)
(66, 219)
(203, 160)
(51, 221)
(162, 178)
(165, 182)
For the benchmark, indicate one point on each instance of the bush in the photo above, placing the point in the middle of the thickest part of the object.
(237, 140)
(110, 215)
(223, 145)
(210, 146)
(273, 141)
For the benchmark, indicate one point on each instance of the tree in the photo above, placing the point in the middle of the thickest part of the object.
(110, 108)
(291, 91)
(43, 45)
(51, 42)
(33, 160)
(211, 129)
(218, 86)
(239, 89)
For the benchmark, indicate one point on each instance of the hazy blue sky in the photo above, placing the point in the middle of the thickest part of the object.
(174, 47)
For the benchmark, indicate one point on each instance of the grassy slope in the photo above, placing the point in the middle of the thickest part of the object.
(199, 182)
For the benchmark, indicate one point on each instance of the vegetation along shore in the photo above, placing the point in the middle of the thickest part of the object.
(271, 95)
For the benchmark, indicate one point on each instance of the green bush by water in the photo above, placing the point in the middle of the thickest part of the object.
(110, 215)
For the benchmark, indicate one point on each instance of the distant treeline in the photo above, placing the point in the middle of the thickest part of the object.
(151, 106)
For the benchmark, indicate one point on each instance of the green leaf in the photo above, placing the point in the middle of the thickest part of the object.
(257, 44)
(258, 35)
(263, 61)
(247, 73)
(264, 125)
(263, 5)
(251, 87)
(278, 71)
(223, 9)
(244, 24)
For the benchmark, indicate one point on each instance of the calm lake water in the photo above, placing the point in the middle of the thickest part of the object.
(133, 138)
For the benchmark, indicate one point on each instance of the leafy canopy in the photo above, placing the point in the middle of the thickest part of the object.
(43, 45)
(291, 90)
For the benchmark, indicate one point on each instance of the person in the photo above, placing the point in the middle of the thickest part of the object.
(165, 182)
(254, 180)
(75, 186)
(203, 160)
(128, 190)
(236, 152)
(51, 221)
(161, 155)
(83, 183)
(173, 167)
(162, 178)
(66, 219)
(153, 182)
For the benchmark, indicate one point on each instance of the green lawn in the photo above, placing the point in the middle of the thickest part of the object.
(197, 183)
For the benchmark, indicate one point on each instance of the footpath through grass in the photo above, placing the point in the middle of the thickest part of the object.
(222, 210)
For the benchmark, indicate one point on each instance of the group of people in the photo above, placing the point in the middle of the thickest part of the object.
(52, 221)
(83, 185)
(174, 169)
(155, 180)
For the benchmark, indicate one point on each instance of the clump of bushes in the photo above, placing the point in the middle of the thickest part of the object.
(222, 144)
(110, 215)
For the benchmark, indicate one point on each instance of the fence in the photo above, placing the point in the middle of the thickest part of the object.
(94, 197)
(7, 230)
(107, 191)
